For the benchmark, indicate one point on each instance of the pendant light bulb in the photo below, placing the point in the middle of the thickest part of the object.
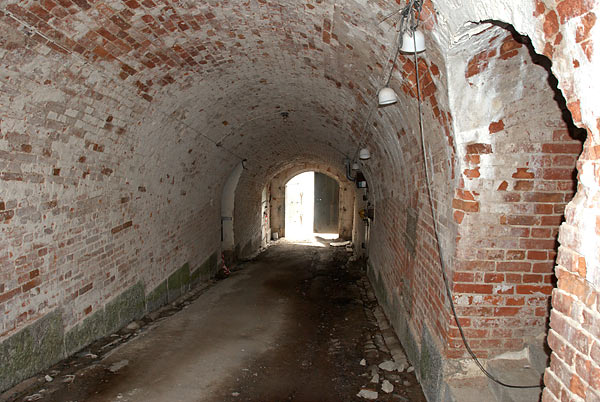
(387, 96)
(412, 44)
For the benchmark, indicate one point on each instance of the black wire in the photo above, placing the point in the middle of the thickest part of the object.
(437, 235)
(405, 12)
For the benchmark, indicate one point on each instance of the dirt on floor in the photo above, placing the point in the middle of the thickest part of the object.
(298, 323)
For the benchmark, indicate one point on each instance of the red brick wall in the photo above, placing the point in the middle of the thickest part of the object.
(88, 207)
(403, 246)
(574, 372)
(517, 176)
(575, 324)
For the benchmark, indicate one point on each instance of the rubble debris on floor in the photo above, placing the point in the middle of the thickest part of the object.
(307, 317)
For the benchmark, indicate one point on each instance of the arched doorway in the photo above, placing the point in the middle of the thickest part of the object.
(311, 206)
(227, 211)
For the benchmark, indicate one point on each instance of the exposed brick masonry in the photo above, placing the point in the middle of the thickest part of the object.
(516, 181)
(110, 172)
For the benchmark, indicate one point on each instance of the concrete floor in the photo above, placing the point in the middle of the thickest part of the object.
(290, 325)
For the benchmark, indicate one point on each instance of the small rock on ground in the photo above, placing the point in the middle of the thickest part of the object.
(133, 326)
(387, 387)
(388, 366)
(118, 366)
(368, 394)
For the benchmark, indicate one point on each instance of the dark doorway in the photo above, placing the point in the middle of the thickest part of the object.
(327, 193)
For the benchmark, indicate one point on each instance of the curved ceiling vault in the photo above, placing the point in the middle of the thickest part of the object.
(221, 72)
(225, 72)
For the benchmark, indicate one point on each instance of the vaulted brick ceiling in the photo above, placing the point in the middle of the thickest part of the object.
(122, 119)
(226, 70)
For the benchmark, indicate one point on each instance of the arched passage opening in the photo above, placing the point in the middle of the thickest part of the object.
(311, 206)
(227, 209)
(330, 201)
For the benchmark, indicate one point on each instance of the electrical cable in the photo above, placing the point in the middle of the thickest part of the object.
(394, 57)
(361, 142)
(440, 253)
(406, 17)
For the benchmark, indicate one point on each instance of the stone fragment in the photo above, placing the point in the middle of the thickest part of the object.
(69, 378)
(340, 243)
(368, 394)
(388, 366)
(375, 378)
(387, 386)
(48, 378)
(401, 366)
(133, 326)
(118, 366)
(154, 315)
(410, 369)
(363, 362)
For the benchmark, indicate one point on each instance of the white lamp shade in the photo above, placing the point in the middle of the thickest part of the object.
(355, 166)
(408, 42)
(364, 154)
(387, 96)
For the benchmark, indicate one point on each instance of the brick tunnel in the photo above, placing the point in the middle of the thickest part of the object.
(140, 140)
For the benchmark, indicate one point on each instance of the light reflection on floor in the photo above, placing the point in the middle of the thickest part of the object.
(313, 239)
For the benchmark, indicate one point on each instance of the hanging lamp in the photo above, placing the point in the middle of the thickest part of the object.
(387, 96)
(412, 41)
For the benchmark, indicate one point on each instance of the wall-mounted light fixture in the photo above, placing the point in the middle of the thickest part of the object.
(355, 166)
(364, 154)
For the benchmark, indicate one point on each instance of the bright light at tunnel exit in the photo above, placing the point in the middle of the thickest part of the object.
(300, 206)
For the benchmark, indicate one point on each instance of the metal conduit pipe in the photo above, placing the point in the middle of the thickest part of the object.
(349, 170)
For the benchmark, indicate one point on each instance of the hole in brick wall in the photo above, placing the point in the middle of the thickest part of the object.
(511, 212)
(577, 133)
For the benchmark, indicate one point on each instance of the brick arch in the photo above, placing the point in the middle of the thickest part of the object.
(562, 31)
(192, 68)
(346, 200)
(252, 183)
(517, 175)
(112, 109)
(288, 175)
